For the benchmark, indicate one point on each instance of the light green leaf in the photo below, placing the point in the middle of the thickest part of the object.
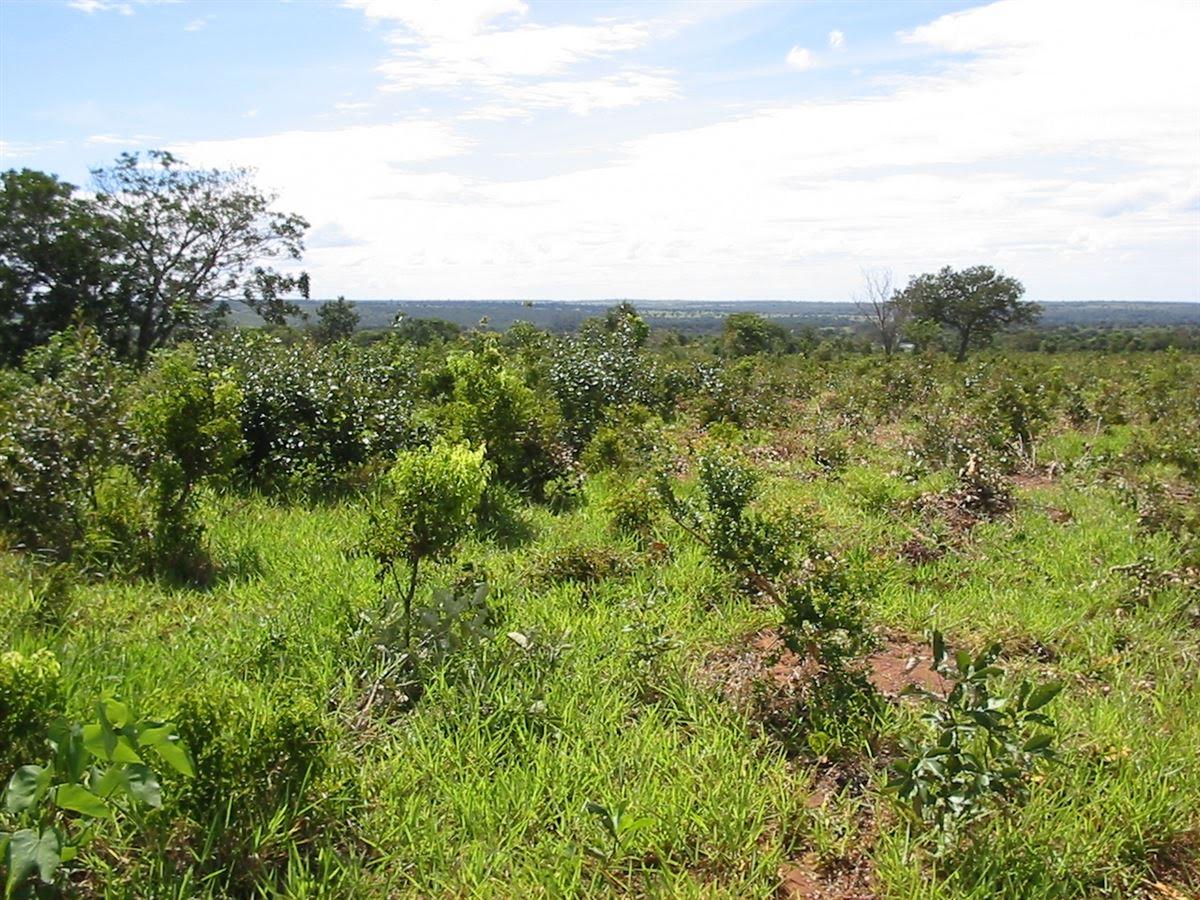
(1042, 695)
(78, 799)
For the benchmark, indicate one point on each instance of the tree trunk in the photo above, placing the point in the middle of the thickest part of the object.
(964, 338)
(408, 599)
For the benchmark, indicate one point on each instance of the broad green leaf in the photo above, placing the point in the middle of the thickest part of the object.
(78, 799)
(1042, 695)
(166, 743)
(143, 786)
(963, 659)
(108, 745)
(25, 788)
(176, 756)
(30, 851)
(115, 713)
(1037, 742)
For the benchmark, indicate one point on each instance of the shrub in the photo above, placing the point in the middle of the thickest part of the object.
(424, 507)
(311, 416)
(756, 546)
(30, 699)
(980, 751)
(580, 565)
(624, 443)
(595, 373)
(59, 433)
(188, 419)
(633, 510)
(488, 404)
(251, 751)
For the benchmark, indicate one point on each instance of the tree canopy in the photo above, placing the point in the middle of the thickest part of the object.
(159, 247)
(975, 303)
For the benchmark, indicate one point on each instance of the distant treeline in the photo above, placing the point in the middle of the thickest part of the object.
(693, 317)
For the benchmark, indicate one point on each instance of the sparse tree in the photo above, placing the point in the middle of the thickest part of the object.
(54, 263)
(877, 303)
(975, 303)
(336, 321)
(193, 240)
(749, 333)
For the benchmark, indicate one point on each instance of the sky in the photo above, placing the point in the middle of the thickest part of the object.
(671, 150)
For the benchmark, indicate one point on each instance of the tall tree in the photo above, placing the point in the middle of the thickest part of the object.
(54, 263)
(877, 302)
(748, 333)
(192, 241)
(975, 303)
(336, 320)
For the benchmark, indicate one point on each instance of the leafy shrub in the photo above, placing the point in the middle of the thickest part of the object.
(756, 546)
(59, 433)
(632, 511)
(623, 443)
(311, 416)
(595, 373)
(488, 404)
(95, 772)
(981, 749)
(30, 699)
(425, 505)
(262, 758)
(187, 417)
(580, 564)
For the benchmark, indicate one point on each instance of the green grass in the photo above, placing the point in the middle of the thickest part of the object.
(480, 790)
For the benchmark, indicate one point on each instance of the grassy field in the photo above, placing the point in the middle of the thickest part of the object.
(598, 682)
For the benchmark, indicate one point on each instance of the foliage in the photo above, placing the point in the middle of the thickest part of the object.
(311, 417)
(486, 402)
(747, 334)
(31, 697)
(618, 827)
(425, 505)
(599, 371)
(975, 302)
(59, 434)
(96, 772)
(633, 510)
(982, 749)
(756, 546)
(336, 321)
(55, 263)
(191, 242)
(187, 417)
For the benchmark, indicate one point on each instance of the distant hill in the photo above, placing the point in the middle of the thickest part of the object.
(705, 317)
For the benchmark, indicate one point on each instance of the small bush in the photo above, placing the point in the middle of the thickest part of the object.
(580, 564)
(633, 511)
(30, 699)
(980, 751)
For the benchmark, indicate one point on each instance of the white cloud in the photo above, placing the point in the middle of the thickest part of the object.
(94, 6)
(195, 24)
(837, 40)
(800, 58)
(117, 6)
(1027, 148)
(629, 87)
(485, 45)
(438, 19)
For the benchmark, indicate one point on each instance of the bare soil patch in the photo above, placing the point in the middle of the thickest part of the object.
(901, 663)
(807, 878)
